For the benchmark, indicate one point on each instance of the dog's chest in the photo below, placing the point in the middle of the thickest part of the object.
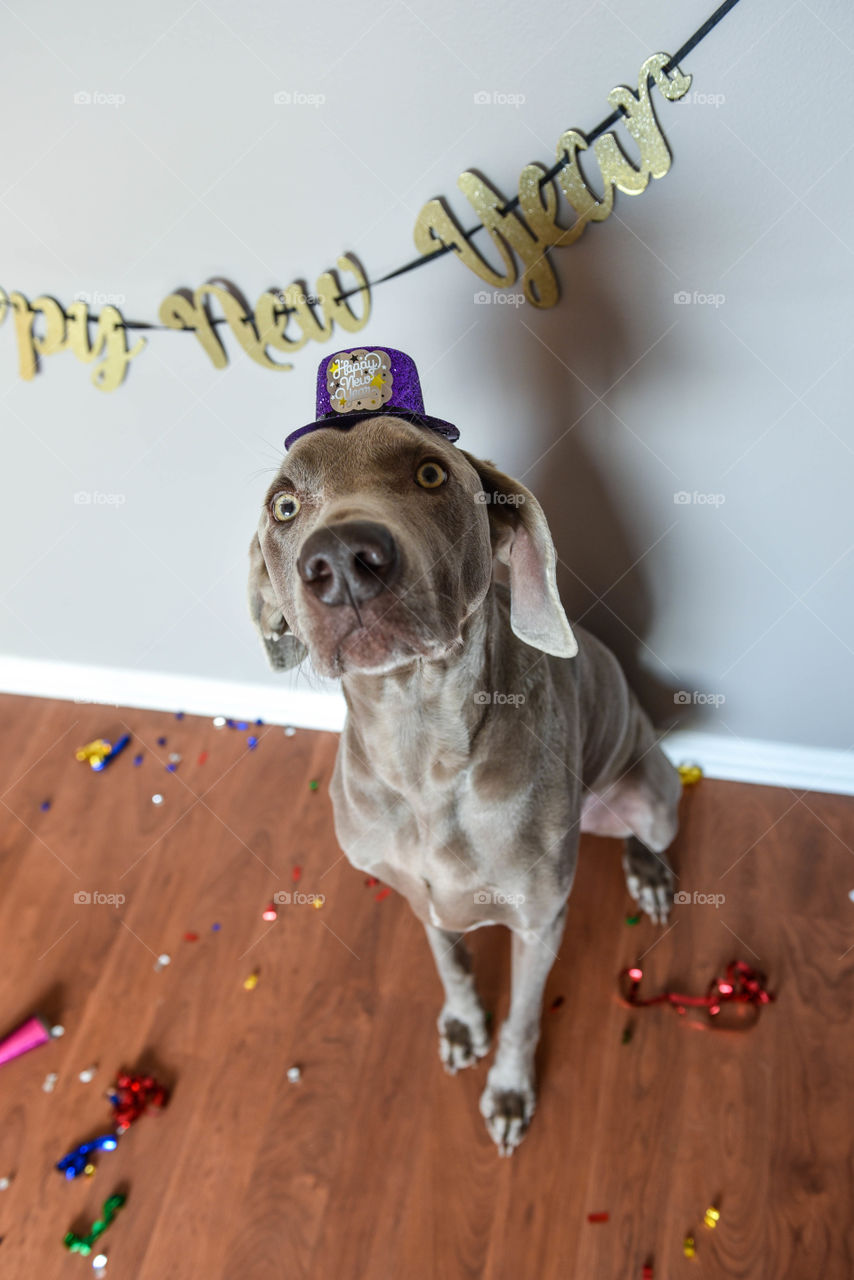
(459, 863)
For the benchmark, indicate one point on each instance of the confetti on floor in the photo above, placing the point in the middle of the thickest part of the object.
(689, 773)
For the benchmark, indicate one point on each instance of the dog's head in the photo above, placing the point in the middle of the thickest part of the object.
(376, 544)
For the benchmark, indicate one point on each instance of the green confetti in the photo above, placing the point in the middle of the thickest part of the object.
(633, 919)
(313, 785)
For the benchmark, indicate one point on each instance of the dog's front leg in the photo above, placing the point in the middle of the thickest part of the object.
(509, 1099)
(463, 1037)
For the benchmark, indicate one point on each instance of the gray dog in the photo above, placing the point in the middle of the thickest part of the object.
(482, 735)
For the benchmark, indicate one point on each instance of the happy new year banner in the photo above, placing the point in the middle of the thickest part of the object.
(551, 209)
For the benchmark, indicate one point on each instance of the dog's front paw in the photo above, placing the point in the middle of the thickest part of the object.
(508, 1111)
(649, 880)
(462, 1040)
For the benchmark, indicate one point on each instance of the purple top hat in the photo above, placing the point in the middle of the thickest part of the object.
(366, 383)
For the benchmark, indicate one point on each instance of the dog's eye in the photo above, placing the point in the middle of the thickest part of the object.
(430, 475)
(285, 506)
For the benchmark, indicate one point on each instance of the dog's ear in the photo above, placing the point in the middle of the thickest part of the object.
(521, 540)
(283, 648)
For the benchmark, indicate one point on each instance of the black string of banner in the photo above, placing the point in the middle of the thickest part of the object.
(682, 52)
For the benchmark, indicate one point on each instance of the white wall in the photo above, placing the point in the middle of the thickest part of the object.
(198, 173)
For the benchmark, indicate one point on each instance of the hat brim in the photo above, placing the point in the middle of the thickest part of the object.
(343, 422)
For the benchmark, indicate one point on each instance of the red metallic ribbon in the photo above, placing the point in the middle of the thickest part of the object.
(741, 985)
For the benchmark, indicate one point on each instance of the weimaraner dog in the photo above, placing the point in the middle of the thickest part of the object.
(482, 735)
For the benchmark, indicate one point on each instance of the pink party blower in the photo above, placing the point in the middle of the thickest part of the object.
(29, 1035)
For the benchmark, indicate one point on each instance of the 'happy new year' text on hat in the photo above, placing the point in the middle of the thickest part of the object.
(366, 383)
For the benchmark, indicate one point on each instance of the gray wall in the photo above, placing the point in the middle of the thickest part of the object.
(610, 404)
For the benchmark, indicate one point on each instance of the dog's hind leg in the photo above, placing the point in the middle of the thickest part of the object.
(642, 807)
(463, 1035)
(649, 879)
(648, 798)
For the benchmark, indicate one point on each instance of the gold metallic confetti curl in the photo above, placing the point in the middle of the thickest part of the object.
(283, 321)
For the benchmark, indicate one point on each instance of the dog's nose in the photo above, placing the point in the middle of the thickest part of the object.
(349, 562)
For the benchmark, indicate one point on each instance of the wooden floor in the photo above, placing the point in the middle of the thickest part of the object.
(376, 1165)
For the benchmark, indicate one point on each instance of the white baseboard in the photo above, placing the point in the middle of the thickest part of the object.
(775, 764)
(160, 691)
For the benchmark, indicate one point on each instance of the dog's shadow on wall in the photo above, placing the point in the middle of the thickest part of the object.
(601, 572)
